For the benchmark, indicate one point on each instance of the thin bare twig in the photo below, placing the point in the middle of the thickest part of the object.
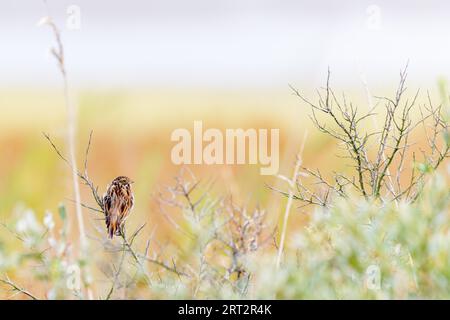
(375, 175)
(290, 197)
(17, 288)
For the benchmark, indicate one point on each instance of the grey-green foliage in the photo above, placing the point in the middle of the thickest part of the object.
(44, 253)
(355, 249)
(360, 249)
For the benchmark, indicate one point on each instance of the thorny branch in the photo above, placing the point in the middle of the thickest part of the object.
(232, 228)
(126, 243)
(17, 288)
(392, 143)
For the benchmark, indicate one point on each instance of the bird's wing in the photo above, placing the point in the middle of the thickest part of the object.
(107, 203)
(126, 205)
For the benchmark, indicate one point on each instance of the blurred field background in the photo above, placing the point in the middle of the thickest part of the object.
(132, 137)
(134, 93)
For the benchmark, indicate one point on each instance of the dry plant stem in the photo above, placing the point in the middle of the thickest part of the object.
(135, 256)
(116, 275)
(377, 128)
(167, 267)
(18, 289)
(58, 53)
(289, 201)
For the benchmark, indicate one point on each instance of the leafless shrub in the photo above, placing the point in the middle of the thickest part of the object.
(240, 233)
(377, 157)
(213, 226)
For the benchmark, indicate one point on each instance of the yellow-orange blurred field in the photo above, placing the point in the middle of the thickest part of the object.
(131, 136)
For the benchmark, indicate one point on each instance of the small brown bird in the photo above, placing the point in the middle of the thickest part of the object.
(118, 201)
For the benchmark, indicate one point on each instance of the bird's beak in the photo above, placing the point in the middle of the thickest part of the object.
(131, 182)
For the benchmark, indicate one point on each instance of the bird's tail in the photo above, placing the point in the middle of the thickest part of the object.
(112, 224)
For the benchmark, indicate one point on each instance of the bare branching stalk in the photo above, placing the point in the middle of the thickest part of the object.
(17, 288)
(227, 227)
(116, 274)
(241, 234)
(135, 255)
(375, 124)
(84, 177)
(291, 183)
(377, 157)
(58, 54)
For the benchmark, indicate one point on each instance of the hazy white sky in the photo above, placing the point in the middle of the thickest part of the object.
(227, 43)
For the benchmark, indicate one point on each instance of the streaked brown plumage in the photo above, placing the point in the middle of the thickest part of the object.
(118, 201)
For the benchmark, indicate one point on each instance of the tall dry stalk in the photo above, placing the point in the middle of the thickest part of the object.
(291, 183)
(58, 53)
